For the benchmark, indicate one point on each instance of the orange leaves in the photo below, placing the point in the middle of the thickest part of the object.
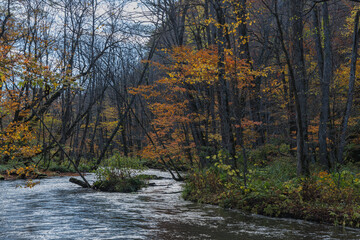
(193, 66)
(146, 91)
(21, 69)
(247, 123)
(183, 97)
(313, 130)
(168, 110)
(190, 66)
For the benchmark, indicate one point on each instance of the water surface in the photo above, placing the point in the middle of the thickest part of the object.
(58, 209)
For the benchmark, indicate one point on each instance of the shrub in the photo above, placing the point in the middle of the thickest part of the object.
(267, 153)
(276, 190)
(25, 172)
(117, 174)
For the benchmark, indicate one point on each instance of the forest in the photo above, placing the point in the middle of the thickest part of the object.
(254, 104)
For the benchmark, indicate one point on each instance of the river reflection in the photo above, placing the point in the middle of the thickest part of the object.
(58, 209)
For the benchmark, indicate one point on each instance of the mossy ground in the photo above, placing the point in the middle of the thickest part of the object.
(125, 185)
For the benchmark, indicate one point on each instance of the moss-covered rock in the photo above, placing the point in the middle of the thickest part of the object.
(42, 175)
(148, 177)
(2, 177)
(125, 185)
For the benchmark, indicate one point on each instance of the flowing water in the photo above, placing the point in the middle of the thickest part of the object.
(58, 209)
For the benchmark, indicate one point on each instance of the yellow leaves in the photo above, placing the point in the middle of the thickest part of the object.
(28, 172)
(18, 70)
(109, 125)
(349, 26)
(110, 112)
(2, 77)
(19, 171)
(18, 141)
(30, 183)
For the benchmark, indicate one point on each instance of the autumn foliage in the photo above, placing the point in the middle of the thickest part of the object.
(182, 97)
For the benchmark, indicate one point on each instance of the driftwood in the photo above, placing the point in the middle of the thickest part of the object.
(83, 184)
(79, 182)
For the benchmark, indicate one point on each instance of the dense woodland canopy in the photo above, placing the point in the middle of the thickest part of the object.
(179, 81)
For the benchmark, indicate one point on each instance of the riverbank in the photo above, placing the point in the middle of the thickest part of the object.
(275, 190)
(10, 172)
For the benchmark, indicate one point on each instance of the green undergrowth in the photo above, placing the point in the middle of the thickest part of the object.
(67, 167)
(5, 167)
(12, 164)
(273, 189)
(19, 170)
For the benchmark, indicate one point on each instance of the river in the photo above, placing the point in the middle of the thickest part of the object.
(58, 209)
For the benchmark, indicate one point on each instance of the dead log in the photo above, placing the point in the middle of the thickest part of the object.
(79, 182)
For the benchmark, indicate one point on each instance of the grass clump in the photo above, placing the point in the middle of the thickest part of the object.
(116, 184)
(118, 174)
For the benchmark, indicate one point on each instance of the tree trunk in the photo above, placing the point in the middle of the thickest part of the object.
(223, 90)
(325, 82)
(79, 182)
(296, 9)
(296, 79)
(351, 89)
